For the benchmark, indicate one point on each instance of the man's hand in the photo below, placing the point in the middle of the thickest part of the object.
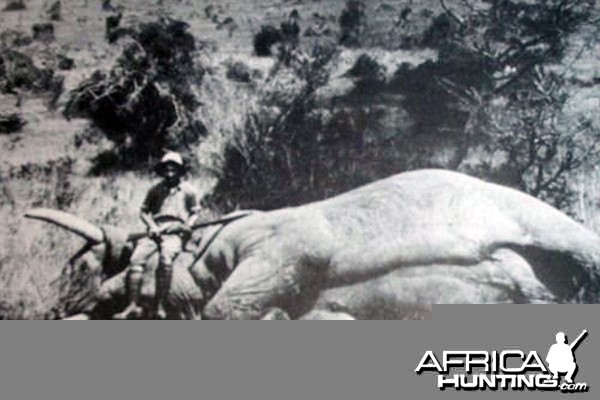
(154, 233)
(179, 229)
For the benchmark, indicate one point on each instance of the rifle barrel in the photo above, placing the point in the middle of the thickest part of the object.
(576, 341)
(140, 235)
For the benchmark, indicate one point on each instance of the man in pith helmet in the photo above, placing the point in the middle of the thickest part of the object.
(169, 210)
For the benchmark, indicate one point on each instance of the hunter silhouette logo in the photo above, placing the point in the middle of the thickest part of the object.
(507, 369)
(560, 357)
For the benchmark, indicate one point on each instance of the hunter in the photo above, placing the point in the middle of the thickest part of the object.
(169, 210)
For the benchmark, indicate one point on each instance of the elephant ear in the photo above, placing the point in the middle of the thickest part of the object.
(118, 250)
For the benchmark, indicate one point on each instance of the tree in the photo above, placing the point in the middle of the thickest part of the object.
(516, 112)
(535, 145)
(146, 102)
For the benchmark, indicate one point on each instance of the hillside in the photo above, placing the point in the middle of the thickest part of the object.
(54, 161)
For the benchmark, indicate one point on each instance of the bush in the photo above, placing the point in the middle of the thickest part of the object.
(295, 149)
(11, 122)
(352, 22)
(369, 74)
(53, 12)
(15, 5)
(270, 162)
(17, 71)
(43, 32)
(536, 151)
(265, 39)
(146, 103)
(239, 72)
(517, 112)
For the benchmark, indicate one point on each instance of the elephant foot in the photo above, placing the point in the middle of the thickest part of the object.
(133, 311)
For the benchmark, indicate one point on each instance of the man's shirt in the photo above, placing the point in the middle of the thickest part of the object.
(179, 202)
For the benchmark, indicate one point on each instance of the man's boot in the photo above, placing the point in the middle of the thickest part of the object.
(164, 274)
(134, 287)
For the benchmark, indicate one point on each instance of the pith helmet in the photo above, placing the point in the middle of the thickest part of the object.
(172, 158)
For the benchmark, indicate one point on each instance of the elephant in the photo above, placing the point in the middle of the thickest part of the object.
(386, 250)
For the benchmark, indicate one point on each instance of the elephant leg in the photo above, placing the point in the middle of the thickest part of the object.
(257, 287)
(110, 297)
(113, 287)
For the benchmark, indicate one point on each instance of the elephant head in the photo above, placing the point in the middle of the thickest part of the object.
(104, 255)
(93, 283)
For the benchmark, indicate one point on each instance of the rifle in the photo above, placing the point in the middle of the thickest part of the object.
(579, 338)
(139, 235)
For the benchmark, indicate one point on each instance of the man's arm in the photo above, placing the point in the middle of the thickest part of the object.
(151, 225)
(146, 214)
(192, 203)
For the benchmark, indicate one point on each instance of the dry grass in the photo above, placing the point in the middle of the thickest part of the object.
(34, 253)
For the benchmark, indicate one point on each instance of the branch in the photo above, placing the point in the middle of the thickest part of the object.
(453, 14)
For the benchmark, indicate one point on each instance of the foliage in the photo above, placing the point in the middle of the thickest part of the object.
(537, 147)
(265, 40)
(146, 103)
(239, 72)
(15, 5)
(276, 159)
(296, 148)
(368, 72)
(18, 72)
(515, 109)
(352, 23)
(11, 122)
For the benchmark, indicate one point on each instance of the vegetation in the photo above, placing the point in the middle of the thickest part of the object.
(515, 106)
(146, 103)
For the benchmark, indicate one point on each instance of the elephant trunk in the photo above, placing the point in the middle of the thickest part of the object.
(77, 225)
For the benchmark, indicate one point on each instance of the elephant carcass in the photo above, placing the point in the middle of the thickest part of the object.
(443, 231)
(384, 250)
(93, 282)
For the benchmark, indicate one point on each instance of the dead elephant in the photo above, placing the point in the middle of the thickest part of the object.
(382, 251)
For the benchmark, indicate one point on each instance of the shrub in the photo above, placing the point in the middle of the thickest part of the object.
(239, 72)
(265, 39)
(517, 113)
(146, 103)
(370, 75)
(352, 22)
(17, 71)
(15, 5)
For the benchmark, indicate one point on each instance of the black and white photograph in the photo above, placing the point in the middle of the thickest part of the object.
(297, 159)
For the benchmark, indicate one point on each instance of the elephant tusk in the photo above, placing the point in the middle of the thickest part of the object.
(69, 222)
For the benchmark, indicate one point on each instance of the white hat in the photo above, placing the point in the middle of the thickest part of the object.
(170, 158)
